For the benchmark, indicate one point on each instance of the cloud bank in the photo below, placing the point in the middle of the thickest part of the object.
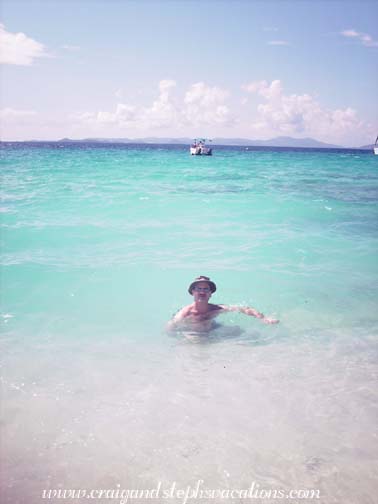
(264, 110)
(298, 114)
(14, 114)
(201, 105)
(18, 49)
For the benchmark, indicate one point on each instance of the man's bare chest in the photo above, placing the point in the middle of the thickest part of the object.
(203, 316)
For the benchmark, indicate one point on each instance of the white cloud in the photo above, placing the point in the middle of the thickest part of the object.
(163, 112)
(69, 47)
(349, 33)
(123, 115)
(278, 43)
(266, 110)
(14, 114)
(263, 88)
(206, 105)
(166, 85)
(364, 38)
(18, 49)
(201, 105)
(253, 87)
(299, 114)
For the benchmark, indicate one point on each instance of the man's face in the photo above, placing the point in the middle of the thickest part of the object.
(201, 292)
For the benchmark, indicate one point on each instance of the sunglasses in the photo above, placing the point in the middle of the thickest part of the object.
(202, 289)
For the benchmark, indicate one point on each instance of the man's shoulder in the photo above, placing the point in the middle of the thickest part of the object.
(181, 313)
(215, 307)
(185, 310)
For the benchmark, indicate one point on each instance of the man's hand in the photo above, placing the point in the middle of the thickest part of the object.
(251, 312)
(267, 320)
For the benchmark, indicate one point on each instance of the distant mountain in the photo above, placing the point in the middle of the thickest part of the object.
(245, 142)
(147, 140)
(156, 140)
(277, 142)
(100, 140)
(367, 147)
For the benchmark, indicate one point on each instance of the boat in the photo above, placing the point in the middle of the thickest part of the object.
(199, 148)
(376, 146)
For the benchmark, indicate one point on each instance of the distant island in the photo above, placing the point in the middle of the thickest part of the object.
(282, 141)
(240, 142)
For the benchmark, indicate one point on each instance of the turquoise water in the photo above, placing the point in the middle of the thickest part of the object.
(99, 244)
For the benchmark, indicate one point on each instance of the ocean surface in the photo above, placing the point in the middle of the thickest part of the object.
(99, 243)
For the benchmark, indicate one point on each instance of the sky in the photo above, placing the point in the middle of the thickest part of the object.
(183, 68)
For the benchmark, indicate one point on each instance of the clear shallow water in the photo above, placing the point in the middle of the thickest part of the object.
(99, 244)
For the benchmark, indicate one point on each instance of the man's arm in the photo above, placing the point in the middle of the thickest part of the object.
(176, 319)
(252, 312)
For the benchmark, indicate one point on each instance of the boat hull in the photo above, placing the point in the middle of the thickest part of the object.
(200, 151)
(376, 151)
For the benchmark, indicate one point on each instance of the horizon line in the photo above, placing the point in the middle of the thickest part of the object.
(142, 140)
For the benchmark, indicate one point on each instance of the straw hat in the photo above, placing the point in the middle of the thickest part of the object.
(200, 279)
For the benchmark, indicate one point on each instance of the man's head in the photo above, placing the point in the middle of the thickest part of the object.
(202, 288)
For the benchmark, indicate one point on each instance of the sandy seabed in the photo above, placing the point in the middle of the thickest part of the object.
(286, 414)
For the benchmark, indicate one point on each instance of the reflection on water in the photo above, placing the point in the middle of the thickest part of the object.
(218, 333)
(223, 333)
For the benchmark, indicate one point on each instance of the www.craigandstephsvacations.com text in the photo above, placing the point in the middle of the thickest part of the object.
(183, 495)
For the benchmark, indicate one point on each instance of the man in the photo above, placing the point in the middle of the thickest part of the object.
(199, 316)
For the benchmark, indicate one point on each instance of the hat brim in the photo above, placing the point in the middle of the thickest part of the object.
(211, 284)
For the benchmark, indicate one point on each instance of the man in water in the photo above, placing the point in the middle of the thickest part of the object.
(199, 316)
